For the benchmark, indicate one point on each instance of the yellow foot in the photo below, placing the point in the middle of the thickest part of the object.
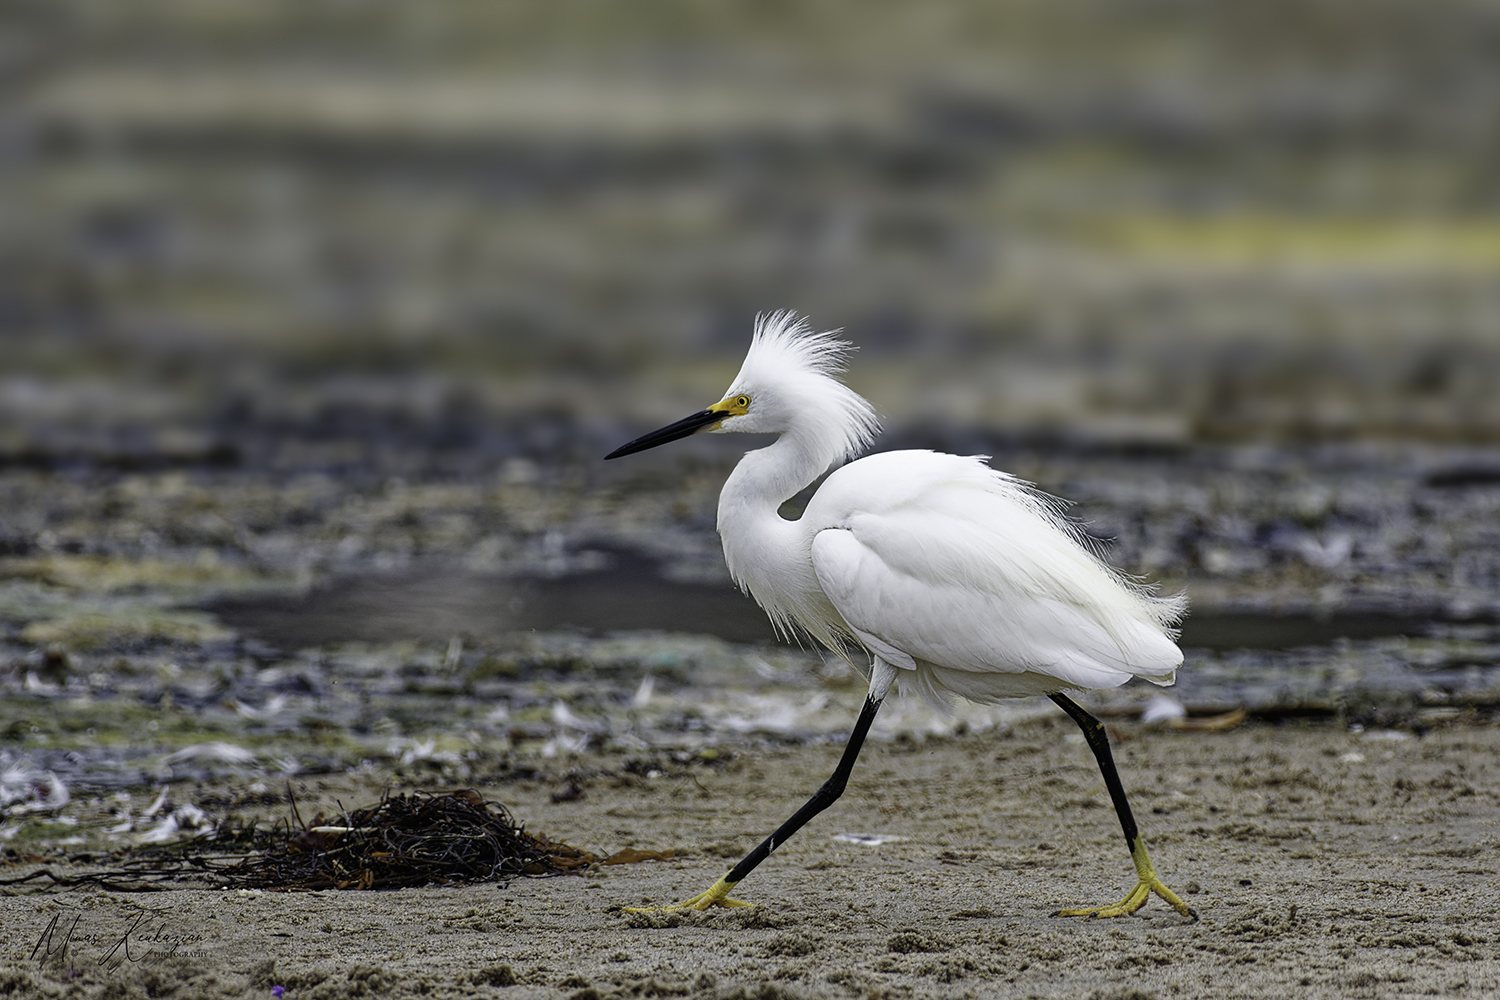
(1148, 884)
(1134, 901)
(715, 895)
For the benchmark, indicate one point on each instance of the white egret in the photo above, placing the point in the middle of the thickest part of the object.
(958, 580)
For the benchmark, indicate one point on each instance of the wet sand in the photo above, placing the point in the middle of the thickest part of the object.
(1321, 862)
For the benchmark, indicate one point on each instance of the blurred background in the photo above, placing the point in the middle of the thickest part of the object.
(319, 315)
(303, 233)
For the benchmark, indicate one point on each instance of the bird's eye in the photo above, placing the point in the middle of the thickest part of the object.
(743, 402)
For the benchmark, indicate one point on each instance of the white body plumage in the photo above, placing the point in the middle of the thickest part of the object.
(962, 578)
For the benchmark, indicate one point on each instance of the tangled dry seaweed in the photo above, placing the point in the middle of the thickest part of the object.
(409, 840)
(405, 840)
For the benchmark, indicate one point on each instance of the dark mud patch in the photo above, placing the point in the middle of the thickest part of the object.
(1242, 630)
(433, 606)
(631, 594)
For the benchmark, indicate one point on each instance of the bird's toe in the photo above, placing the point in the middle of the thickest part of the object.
(1174, 900)
(715, 895)
(1133, 902)
(1123, 908)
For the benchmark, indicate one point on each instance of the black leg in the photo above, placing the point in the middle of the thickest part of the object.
(718, 893)
(822, 799)
(1098, 740)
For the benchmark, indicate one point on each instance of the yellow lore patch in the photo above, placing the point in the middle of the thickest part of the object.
(734, 406)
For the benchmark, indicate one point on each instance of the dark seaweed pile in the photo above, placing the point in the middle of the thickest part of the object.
(408, 840)
(403, 841)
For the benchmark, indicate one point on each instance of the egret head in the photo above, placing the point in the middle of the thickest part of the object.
(789, 384)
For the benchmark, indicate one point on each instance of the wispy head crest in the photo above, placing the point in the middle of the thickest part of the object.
(804, 366)
(788, 341)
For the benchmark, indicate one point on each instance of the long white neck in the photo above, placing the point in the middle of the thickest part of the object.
(767, 554)
(768, 477)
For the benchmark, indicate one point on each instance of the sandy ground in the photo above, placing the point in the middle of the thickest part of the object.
(1322, 863)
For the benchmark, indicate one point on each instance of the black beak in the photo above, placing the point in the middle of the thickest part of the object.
(671, 432)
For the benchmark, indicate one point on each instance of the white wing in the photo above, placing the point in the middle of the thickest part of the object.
(965, 575)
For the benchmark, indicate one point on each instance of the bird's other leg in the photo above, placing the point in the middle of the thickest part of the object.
(717, 894)
(1098, 740)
